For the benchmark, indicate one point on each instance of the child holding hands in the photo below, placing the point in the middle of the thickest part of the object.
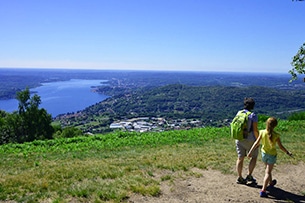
(269, 140)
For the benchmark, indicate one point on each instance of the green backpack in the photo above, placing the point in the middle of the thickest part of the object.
(239, 125)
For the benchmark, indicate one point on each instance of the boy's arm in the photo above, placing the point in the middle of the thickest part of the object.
(255, 129)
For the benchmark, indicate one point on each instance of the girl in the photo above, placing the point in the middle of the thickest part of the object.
(269, 140)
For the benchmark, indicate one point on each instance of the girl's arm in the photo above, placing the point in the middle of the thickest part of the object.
(282, 147)
(255, 145)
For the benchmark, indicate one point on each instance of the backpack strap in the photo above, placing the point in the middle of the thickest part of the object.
(250, 129)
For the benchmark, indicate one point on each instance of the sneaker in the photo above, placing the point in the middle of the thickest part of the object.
(250, 179)
(272, 184)
(241, 180)
(263, 194)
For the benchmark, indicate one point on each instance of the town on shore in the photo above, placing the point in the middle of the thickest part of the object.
(158, 124)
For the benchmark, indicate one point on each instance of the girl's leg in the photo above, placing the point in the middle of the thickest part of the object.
(268, 176)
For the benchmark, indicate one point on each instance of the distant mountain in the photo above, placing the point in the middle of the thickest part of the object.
(13, 80)
(209, 96)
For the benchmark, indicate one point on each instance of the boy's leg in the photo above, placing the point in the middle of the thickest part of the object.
(239, 165)
(252, 165)
(241, 154)
(239, 169)
(252, 162)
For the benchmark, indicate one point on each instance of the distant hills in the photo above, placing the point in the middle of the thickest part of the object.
(210, 97)
(213, 105)
(14, 79)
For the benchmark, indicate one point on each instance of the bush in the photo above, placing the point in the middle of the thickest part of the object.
(297, 116)
(262, 118)
(70, 132)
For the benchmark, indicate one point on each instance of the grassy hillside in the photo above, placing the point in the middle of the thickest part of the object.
(109, 168)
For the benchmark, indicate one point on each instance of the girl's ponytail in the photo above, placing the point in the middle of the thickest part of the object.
(271, 123)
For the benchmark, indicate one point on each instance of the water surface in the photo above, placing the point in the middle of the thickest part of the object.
(63, 96)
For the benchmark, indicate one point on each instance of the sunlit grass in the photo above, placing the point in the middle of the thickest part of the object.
(109, 168)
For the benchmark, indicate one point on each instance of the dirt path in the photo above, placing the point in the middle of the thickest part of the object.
(215, 187)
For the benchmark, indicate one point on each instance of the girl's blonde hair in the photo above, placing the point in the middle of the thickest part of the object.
(271, 123)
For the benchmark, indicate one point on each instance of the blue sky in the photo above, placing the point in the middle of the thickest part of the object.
(199, 35)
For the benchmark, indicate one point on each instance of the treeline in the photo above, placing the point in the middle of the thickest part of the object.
(205, 102)
(10, 85)
(30, 122)
(210, 104)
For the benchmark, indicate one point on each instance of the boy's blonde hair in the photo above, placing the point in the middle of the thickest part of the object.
(271, 123)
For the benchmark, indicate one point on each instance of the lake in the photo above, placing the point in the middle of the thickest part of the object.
(72, 92)
(62, 97)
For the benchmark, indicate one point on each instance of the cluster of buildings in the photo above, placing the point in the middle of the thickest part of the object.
(144, 124)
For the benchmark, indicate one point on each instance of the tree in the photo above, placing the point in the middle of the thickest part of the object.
(23, 99)
(4, 135)
(298, 63)
(31, 122)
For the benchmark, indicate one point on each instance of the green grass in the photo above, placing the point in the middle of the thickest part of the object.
(111, 167)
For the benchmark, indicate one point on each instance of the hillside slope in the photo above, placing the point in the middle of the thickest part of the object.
(210, 104)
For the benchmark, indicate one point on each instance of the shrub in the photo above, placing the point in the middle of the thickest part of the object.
(70, 132)
(297, 116)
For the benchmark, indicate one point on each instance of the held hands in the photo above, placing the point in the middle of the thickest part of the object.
(249, 155)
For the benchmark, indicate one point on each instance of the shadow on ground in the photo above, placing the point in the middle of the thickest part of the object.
(282, 196)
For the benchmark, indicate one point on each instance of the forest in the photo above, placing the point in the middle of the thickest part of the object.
(213, 105)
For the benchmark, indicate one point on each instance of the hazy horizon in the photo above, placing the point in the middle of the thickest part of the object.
(118, 70)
